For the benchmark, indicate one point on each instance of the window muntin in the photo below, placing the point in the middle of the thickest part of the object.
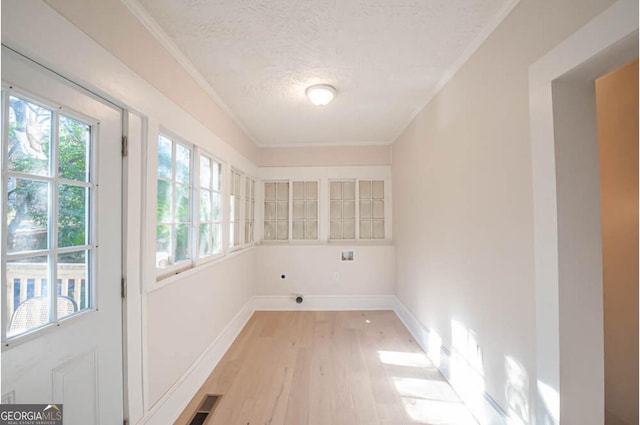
(371, 209)
(249, 209)
(210, 207)
(235, 205)
(49, 190)
(174, 206)
(276, 211)
(305, 210)
(342, 224)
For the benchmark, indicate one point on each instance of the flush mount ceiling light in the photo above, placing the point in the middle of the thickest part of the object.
(320, 94)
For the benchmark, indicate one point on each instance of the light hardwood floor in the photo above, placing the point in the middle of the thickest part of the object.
(328, 368)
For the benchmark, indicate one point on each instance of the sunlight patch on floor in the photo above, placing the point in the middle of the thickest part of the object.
(425, 388)
(404, 359)
(435, 412)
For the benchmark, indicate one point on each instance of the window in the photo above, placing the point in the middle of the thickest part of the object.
(305, 210)
(370, 209)
(342, 209)
(49, 189)
(235, 194)
(276, 211)
(371, 194)
(174, 213)
(210, 202)
(249, 210)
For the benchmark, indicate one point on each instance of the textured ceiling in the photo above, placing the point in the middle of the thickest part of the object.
(386, 58)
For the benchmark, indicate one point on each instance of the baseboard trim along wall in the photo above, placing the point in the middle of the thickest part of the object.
(464, 379)
(171, 405)
(324, 302)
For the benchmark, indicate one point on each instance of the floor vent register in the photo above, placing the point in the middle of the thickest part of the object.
(205, 409)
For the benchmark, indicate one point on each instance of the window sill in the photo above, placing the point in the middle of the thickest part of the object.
(169, 279)
(373, 242)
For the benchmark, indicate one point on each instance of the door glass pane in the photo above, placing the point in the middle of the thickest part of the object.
(72, 215)
(72, 271)
(27, 215)
(75, 137)
(29, 143)
(27, 309)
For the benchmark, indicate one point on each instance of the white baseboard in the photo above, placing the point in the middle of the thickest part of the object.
(171, 405)
(481, 405)
(325, 302)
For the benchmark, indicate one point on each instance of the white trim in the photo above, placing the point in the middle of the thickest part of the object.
(350, 143)
(173, 402)
(482, 406)
(165, 41)
(554, 337)
(324, 302)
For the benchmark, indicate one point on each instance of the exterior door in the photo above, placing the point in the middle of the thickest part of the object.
(61, 246)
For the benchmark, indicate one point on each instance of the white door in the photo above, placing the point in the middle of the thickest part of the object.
(61, 246)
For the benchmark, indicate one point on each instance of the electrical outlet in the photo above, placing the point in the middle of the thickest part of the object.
(336, 275)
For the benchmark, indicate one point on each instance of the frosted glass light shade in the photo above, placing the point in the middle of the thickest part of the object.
(321, 94)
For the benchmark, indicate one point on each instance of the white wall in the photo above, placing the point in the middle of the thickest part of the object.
(314, 267)
(177, 321)
(185, 317)
(317, 270)
(463, 213)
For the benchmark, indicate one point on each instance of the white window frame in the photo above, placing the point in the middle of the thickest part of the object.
(176, 267)
(290, 220)
(372, 219)
(357, 237)
(232, 246)
(216, 255)
(304, 220)
(289, 210)
(250, 213)
(53, 180)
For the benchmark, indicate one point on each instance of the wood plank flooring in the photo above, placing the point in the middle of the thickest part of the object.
(328, 368)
